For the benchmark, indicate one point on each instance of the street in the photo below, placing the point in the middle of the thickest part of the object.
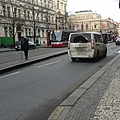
(33, 92)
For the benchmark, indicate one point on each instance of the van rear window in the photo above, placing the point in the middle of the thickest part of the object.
(86, 36)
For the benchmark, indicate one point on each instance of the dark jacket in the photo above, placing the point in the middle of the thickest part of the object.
(25, 44)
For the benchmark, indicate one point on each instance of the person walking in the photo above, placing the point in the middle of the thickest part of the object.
(25, 47)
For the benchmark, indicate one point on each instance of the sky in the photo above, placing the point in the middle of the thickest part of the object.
(106, 8)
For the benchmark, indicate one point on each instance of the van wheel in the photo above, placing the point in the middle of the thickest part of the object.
(73, 59)
(97, 57)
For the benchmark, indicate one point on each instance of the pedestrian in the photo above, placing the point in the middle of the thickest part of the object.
(25, 46)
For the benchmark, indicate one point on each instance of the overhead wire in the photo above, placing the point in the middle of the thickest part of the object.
(105, 3)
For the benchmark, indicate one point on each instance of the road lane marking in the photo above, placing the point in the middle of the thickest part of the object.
(10, 74)
(49, 64)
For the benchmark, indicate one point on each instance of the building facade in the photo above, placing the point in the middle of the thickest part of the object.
(91, 21)
(60, 14)
(119, 30)
(30, 18)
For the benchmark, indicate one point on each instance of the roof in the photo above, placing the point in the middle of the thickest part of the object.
(86, 32)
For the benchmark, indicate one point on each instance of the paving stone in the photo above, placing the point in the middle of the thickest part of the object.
(102, 100)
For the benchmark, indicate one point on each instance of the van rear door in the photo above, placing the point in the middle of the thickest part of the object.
(80, 45)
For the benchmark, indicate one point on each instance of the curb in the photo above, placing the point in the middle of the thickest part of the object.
(13, 49)
(62, 110)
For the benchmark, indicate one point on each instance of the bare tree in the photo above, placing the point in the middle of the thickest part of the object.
(10, 18)
(71, 23)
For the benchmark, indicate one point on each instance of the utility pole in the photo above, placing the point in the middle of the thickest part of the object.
(66, 15)
(13, 23)
(82, 26)
(56, 22)
(34, 31)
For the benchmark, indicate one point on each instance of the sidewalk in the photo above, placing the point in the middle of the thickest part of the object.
(18, 63)
(96, 99)
(9, 49)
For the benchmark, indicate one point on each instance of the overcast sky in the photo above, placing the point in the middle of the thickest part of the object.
(107, 8)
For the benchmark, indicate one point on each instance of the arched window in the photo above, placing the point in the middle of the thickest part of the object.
(77, 25)
(86, 26)
(82, 26)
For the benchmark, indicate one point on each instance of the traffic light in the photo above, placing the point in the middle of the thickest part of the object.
(119, 3)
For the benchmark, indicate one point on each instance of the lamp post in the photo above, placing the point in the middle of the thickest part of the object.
(82, 26)
(48, 31)
(56, 22)
(66, 15)
(13, 23)
(34, 31)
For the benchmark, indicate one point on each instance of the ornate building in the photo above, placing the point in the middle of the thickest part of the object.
(61, 14)
(91, 21)
(31, 18)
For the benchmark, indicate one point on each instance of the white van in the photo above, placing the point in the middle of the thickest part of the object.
(86, 45)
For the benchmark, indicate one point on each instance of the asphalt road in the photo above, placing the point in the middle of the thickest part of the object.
(33, 92)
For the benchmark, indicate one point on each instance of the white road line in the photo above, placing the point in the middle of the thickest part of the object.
(49, 64)
(10, 74)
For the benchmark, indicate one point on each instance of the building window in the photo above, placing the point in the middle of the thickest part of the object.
(10, 31)
(5, 31)
(26, 31)
(86, 26)
(28, 15)
(41, 3)
(38, 32)
(15, 12)
(8, 10)
(41, 16)
(4, 11)
(37, 17)
(42, 33)
(82, 26)
(52, 19)
(25, 14)
(57, 5)
(19, 13)
(65, 8)
(95, 25)
(45, 3)
(29, 32)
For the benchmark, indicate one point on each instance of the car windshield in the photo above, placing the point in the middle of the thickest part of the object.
(86, 36)
(56, 36)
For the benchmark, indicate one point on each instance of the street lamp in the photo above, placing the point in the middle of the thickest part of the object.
(47, 22)
(56, 21)
(33, 10)
(60, 19)
(66, 15)
(82, 26)
(13, 23)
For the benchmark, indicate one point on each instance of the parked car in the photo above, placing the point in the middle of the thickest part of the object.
(18, 45)
(117, 42)
(86, 45)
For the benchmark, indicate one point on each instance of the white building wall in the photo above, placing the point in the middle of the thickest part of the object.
(40, 7)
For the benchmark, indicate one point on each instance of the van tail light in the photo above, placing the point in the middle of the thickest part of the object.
(92, 44)
(68, 44)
